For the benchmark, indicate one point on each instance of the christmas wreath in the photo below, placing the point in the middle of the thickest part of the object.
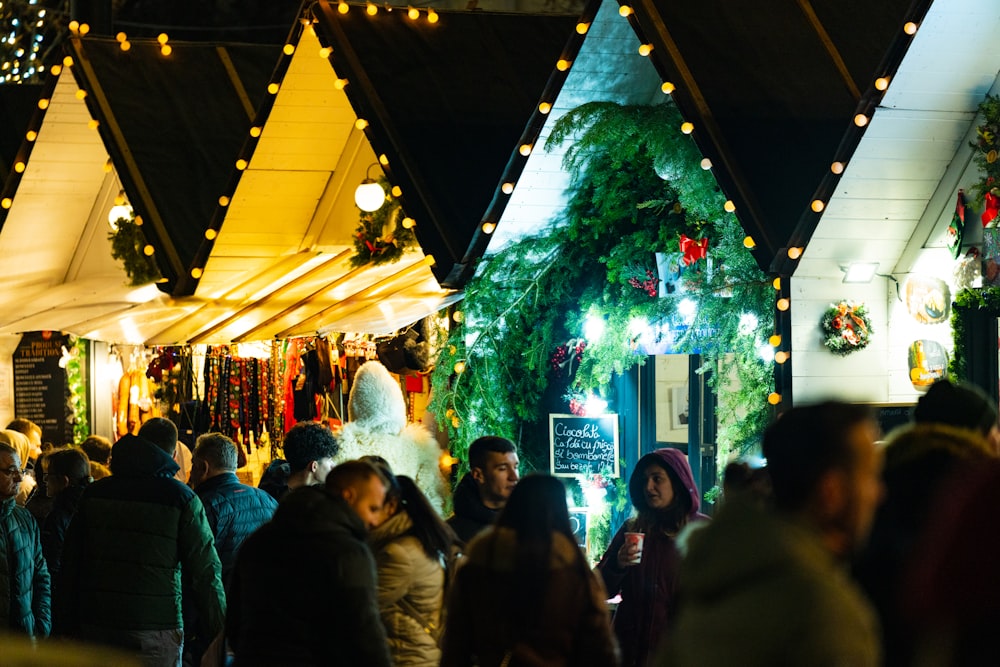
(383, 236)
(846, 327)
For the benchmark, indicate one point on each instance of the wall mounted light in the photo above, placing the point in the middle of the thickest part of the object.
(120, 211)
(369, 196)
(859, 272)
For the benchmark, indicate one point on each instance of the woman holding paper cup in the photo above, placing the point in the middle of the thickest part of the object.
(642, 561)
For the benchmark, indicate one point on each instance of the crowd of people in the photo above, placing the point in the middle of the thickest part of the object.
(838, 547)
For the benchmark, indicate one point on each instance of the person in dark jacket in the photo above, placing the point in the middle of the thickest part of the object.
(24, 578)
(234, 509)
(67, 475)
(525, 594)
(666, 499)
(135, 536)
(484, 490)
(320, 607)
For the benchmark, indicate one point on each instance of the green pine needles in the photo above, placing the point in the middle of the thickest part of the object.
(597, 260)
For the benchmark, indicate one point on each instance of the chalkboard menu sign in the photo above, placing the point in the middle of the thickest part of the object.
(891, 415)
(583, 445)
(578, 522)
(40, 385)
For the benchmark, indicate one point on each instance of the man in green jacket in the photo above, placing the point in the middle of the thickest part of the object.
(134, 537)
(24, 578)
(768, 586)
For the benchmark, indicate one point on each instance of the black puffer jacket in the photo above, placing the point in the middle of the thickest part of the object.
(54, 526)
(234, 510)
(126, 548)
(24, 579)
(303, 589)
(471, 515)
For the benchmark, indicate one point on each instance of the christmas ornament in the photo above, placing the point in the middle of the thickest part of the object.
(846, 328)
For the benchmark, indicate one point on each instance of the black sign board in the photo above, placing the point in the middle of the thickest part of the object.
(891, 415)
(583, 445)
(578, 521)
(40, 385)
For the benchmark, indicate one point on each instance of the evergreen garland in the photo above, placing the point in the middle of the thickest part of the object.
(966, 301)
(127, 244)
(533, 296)
(987, 145)
(380, 237)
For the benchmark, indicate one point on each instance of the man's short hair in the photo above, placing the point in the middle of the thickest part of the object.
(957, 404)
(4, 447)
(97, 448)
(25, 426)
(350, 474)
(217, 450)
(72, 463)
(307, 442)
(481, 446)
(807, 442)
(161, 432)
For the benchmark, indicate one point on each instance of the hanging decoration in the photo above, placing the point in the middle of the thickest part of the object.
(956, 229)
(987, 145)
(128, 246)
(846, 328)
(693, 250)
(383, 235)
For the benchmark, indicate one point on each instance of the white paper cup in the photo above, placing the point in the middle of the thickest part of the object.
(636, 539)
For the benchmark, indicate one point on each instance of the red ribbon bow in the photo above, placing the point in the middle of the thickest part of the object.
(693, 250)
(992, 208)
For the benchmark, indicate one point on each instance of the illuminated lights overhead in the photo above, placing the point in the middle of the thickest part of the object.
(507, 188)
(31, 135)
(706, 164)
(687, 127)
(776, 283)
(780, 357)
(288, 49)
(360, 123)
(74, 26)
(645, 49)
(369, 195)
(488, 227)
(624, 11)
(861, 120)
(408, 223)
(93, 123)
(6, 202)
(525, 149)
(196, 273)
(432, 16)
(255, 131)
(562, 64)
(837, 167)
(774, 398)
(383, 160)
(162, 38)
(166, 49)
(582, 28)
(120, 211)
(817, 205)
(544, 107)
(67, 61)
(342, 7)
(210, 234)
(126, 45)
(749, 243)
(783, 304)
(81, 93)
(273, 88)
(668, 87)
(371, 9)
(413, 13)
(459, 367)
(910, 28)
(774, 340)
(241, 164)
(325, 53)
(223, 200)
(860, 272)
(729, 206)
(396, 191)
(55, 70)
(339, 84)
(43, 104)
(794, 253)
(148, 250)
(881, 83)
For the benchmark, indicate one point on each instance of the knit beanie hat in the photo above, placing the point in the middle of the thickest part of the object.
(957, 404)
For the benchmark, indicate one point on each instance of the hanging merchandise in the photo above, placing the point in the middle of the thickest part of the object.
(172, 371)
(234, 400)
(134, 404)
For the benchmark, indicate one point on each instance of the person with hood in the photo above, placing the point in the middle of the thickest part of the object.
(376, 425)
(134, 534)
(24, 578)
(665, 499)
(525, 594)
(484, 490)
(766, 586)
